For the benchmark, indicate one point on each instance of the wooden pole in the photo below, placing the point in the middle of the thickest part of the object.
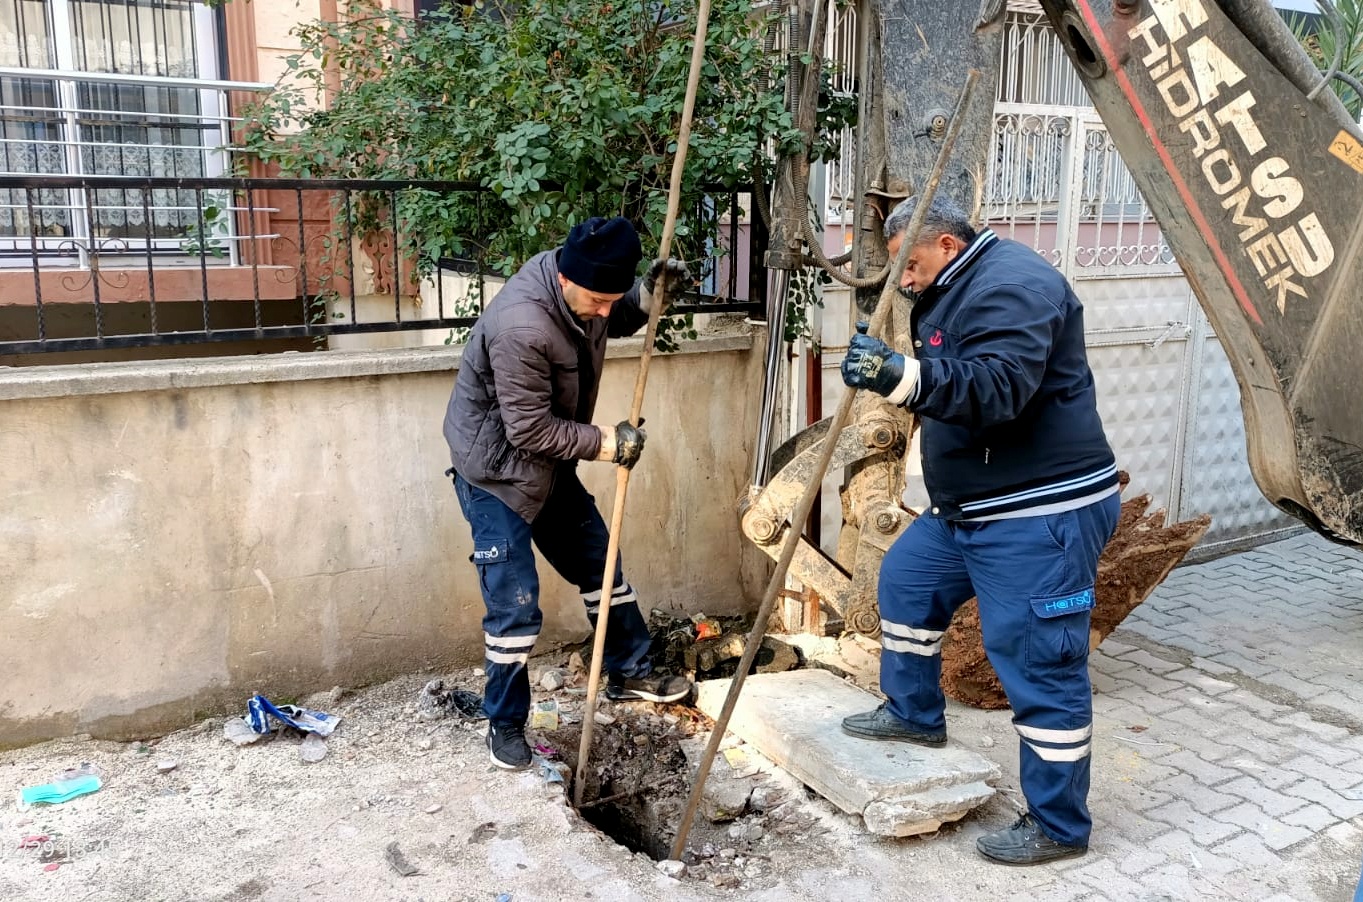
(622, 473)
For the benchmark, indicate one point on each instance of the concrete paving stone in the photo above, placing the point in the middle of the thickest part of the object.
(1201, 828)
(1204, 772)
(1113, 647)
(1215, 668)
(1272, 776)
(1343, 702)
(1062, 891)
(1343, 761)
(1102, 874)
(1313, 817)
(1158, 634)
(1151, 682)
(1212, 749)
(1200, 681)
(1181, 848)
(1313, 790)
(1249, 850)
(1146, 771)
(1343, 682)
(1310, 765)
(1175, 883)
(1110, 666)
(1241, 664)
(1152, 705)
(1141, 860)
(1295, 685)
(1325, 731)
(1154, 616)
(1129, 827)
(1275, 834)
(1261, 707)
(1146, 798)
(1151, 662)
(1192, 644)
(1276, 804)
(1202, 798)
(1106, 685)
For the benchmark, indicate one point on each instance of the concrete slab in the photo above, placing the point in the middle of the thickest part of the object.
(899, 789)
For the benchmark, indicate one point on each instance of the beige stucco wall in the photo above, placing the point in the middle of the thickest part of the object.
(178, 534)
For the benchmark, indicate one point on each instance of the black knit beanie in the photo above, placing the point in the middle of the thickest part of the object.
(601, 255)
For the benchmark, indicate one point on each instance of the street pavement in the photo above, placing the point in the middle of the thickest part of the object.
(1229, 734)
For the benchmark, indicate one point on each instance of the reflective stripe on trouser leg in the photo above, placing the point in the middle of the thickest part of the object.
(571, 535)
(510, 589)
(922, 583)
(627, 639)
(1035, 578)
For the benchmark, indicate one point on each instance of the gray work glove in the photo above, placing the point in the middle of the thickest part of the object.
(676, 277)
(622, 443)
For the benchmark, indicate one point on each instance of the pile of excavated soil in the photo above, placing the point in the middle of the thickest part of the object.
(1136, 560)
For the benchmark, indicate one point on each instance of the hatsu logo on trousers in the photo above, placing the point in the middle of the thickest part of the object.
(936, 339)
(487, 554)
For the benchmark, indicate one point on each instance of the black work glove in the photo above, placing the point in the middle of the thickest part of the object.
(870, 363)
(622, 444)
(675, 276)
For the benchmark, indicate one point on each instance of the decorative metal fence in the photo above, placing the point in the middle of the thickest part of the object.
(257, 259)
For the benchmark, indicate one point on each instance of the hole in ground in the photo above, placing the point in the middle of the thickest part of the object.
(637, 782)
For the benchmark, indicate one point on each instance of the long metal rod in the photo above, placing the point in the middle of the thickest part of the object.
(622, 473)
(830, 443)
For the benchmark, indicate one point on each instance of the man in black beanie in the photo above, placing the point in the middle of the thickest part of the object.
(518, 422)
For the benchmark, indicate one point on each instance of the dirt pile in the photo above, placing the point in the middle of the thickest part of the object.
(1139, 556)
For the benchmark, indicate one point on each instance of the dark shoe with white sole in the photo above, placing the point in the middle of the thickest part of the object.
(507, 746)
(881, 724)
(1024, 843)
(656, 687)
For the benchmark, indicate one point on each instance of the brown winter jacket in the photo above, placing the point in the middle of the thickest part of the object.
(527, 384)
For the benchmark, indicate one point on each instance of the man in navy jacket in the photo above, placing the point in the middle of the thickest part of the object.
(1024, 496)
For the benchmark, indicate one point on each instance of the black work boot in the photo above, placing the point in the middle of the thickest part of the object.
(507, 746)
(881, 724)
(656, 687)
(1024, 843)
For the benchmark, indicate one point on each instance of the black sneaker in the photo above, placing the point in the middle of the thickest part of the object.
(1024, 843)
(656, 687)
(881, 724)
(507, 746)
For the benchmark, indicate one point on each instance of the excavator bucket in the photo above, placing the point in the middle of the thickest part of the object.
(1258, 189)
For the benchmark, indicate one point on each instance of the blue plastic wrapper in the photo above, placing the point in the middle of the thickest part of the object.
(260, 712)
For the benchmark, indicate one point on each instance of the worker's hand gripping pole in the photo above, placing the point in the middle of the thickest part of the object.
(830, 442)
(622, 473)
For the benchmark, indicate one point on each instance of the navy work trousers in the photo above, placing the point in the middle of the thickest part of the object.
(571, 535)
(1034, 580)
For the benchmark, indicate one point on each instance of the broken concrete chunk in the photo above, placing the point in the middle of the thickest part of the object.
(795, 719)
(553, 680)
(240, 732)
(312, 749)
(672, 868)
(725, 796)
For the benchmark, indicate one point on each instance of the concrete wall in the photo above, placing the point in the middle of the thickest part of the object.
(179, 534)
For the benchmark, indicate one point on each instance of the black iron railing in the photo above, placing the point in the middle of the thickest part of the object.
(90, 262)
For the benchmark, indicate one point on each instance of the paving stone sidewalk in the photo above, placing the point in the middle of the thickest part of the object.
(1228, 760)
